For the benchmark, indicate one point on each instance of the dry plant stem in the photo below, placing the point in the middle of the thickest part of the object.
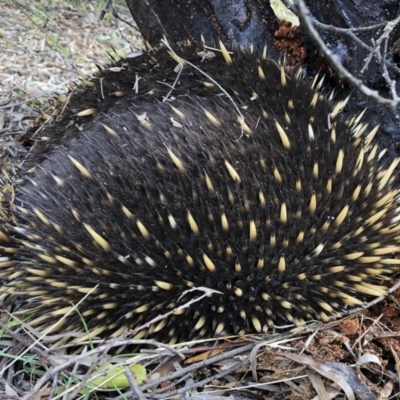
(105, 9)
(342, 72)
(206, 293)
(376, 50)
(187, 388)
(99, 359)
(366, 332)
(239, 113)
(226, 346)
(350, 32)
(48, 330)
(54, 387)
(153, 384)
(373, 51)
(75, 369)
(385, 38)
(105, 348)
(108, 7)
(22, 340)
(194, 367)
(4, 381)
(184, 378)
(134, 386)
(204, 381)
(45, 93)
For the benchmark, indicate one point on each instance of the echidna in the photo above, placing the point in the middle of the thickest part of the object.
(201, 171)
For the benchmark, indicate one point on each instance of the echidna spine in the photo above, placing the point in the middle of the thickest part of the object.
(282, 209)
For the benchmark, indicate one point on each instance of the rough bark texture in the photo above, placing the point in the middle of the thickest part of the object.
(241, 22)
(237, 22)
(354, 14)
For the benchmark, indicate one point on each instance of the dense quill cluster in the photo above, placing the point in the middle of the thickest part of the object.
(167, 174)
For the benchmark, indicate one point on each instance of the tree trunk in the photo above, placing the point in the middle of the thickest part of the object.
(237, 22)
(371, 56)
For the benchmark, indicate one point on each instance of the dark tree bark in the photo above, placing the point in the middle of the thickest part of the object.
(244, 22)
(237, 22)
(362, 35)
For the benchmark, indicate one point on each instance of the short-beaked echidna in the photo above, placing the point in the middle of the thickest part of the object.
(227, 173)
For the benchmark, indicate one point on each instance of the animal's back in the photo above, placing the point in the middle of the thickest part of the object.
(238, 178)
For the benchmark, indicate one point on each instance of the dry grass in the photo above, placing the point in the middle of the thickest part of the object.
(44, 46)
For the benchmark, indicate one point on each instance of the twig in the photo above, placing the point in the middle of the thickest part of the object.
(307, 23)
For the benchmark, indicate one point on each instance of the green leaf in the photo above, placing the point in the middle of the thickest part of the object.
(116, 377)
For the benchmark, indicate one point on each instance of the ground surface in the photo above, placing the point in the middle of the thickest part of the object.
(43, 46)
